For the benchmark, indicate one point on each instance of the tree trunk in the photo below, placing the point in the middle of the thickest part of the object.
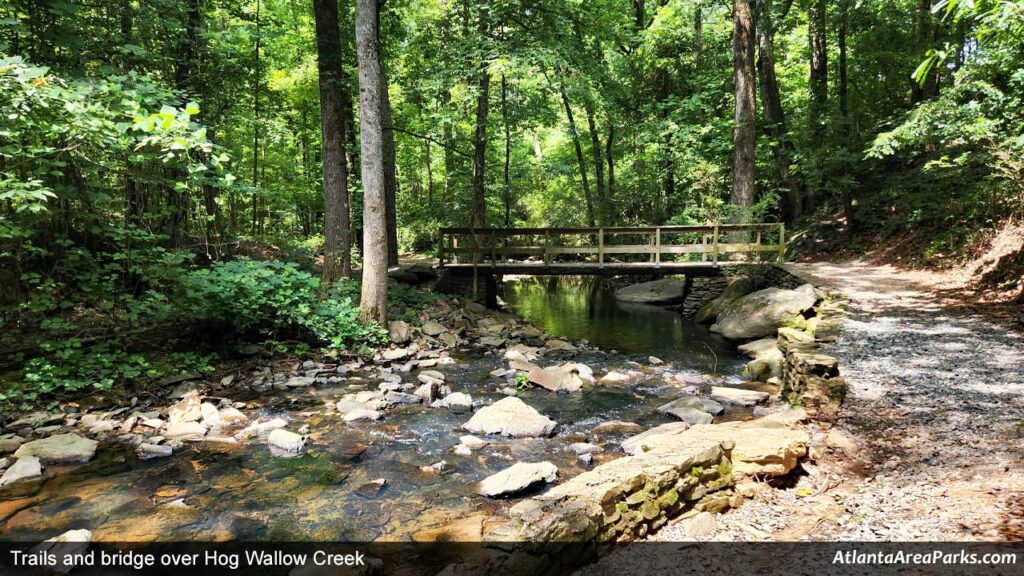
(479, 216)
(595, 148)
(579, 155)
(373, 303)
(333, 84)
(256, 122)
(744, 135)
(818, 79)
(388, 143)
(774, 116)
(844, 112)
(609, 143)
(505, 176)
(924, 27)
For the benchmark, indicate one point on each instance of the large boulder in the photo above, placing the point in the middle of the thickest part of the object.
(738, 396)
(432, 328)
(510, 417)
(736, 289)
(762, 313)
(398, 331)
(664, 291)
(59, 449)
(517, 478)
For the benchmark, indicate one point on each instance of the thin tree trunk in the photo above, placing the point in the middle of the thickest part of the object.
(579, 155)
(447, 137)
(595, 149)
(818, 79)
(373, 301)
(774, 115)
(609, 143)
(844, 111)
(479, 216)
(506, 179)
(744, 135)
(256, 122)
(333, 84)
(925, 30)
(390, 169)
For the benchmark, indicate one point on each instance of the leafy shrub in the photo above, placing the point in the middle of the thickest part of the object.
(268, 298)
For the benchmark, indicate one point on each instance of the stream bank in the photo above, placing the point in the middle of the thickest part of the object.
(412, 473)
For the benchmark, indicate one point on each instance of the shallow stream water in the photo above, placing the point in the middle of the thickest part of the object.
(211, 491)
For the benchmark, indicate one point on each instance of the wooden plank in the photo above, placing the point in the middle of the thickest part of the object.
(608, 230)
(639, 249)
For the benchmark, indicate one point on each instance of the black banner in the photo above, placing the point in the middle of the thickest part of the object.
(520, 559)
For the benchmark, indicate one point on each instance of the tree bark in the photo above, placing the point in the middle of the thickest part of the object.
(924, 26)
(333, 85)
(505, 173)
(818, 79)
(256, 122)
(774, 115)
(373, 301)
(849, 213)
(388, 143)
(744, 136)
(595, 149)
(446, 143)
(579, 155)
(479, 216)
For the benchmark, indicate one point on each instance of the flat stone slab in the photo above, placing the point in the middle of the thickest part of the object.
(695, 403)
(510, 417)
(60, 449)
(517, 478)
(738, 396)
(768, 445)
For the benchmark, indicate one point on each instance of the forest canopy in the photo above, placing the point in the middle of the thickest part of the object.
(201, 162)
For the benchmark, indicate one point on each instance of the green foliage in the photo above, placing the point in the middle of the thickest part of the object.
(272, 298)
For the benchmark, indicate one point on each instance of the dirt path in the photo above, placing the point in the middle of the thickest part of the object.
(935, 415)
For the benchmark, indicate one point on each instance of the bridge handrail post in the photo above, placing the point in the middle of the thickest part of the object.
(600, 247)
(657, 247)
(547, 243)
(714, 245)
(782, 242)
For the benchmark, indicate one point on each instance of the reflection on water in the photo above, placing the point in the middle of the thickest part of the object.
(585, 308)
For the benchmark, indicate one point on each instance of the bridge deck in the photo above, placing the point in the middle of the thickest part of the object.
(592, 268)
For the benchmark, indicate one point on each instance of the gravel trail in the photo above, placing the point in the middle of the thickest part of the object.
(930, 441)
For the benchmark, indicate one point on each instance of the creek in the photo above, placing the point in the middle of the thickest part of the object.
(217, 491)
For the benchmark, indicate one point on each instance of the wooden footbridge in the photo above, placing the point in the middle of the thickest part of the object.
(641, 250)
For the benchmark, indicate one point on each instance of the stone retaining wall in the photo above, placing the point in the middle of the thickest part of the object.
(626, 498)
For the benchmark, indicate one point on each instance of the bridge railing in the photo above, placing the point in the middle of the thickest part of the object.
(711, 243)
